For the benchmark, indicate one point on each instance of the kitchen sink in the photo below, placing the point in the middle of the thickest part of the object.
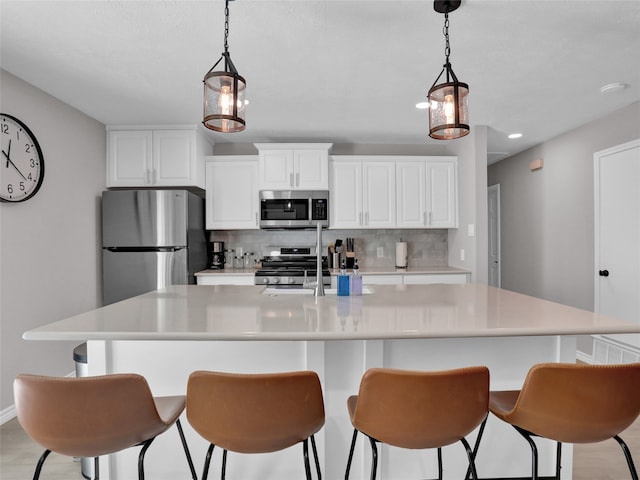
(306, 291)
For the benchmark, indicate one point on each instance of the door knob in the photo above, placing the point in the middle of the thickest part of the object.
(604, 273)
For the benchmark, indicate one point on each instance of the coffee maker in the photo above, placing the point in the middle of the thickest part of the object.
(217, 256)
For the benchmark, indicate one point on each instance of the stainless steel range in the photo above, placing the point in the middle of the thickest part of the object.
(286, 266)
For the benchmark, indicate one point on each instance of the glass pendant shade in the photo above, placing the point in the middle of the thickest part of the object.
(224, 102)
(448, 110)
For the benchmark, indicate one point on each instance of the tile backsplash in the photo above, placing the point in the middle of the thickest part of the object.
(426, 248)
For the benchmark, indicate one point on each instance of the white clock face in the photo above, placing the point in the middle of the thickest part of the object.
(21, 164)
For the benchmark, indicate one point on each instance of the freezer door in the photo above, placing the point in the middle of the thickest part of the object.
(144, 218)
(126, 274)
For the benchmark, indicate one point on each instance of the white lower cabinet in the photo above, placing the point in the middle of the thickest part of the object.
(232, 192)
(225, 279)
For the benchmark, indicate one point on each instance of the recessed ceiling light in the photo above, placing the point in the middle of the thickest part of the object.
(515, 135)
(613, 87)
(422, 105)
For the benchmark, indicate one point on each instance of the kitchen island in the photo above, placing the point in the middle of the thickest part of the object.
(167, 334)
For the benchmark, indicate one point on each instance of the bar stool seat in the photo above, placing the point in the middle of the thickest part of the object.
(571, 403)
(256, 413)
(419, 410)
(95, 416)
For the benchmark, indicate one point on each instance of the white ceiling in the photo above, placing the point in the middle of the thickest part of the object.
(332, 70)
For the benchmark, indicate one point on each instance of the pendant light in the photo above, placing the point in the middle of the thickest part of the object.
(224, 92)
(448, 102)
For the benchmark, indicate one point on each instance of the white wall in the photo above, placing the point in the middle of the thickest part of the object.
(547, 225)
(49, 245)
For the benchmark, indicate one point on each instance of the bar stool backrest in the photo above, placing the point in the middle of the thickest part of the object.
(255, 413)
(421, 409)
(578, 403)
(88, 416)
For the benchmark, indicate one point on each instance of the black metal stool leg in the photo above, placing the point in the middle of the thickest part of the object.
(353, 446)
(558, 460)
(627, 455)
(470, 455)
(439, 463)
(186, 450)
(534, 452)
(315, 456)
(223, 475)
(207, 461)
(43, 457)
(305, 454)
(476, 445)
(374, 458)
(145, 446)
(96, 468)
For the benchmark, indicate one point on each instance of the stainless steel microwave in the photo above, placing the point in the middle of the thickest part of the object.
(294, 208)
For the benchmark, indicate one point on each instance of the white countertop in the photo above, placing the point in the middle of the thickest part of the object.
(226, 312)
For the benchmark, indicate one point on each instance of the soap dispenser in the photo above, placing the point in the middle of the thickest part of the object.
(343, 281)
(356, 279)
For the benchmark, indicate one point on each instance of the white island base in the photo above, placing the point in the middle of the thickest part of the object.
(340, 365)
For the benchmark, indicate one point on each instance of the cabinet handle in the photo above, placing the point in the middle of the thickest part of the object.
(291, 180)
(297, 179)
(148, 177)
(604, 273)
(360, 219)
(256, 219)
(366, 219)
(424, 218)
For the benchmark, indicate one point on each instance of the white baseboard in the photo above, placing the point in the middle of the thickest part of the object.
(10, 413)
(7, 414)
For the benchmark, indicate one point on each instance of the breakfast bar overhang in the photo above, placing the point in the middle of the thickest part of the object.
(166, 334)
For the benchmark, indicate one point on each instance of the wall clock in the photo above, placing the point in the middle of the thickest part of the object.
(22, 163)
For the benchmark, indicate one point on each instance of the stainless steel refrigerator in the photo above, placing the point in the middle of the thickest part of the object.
(150, 239)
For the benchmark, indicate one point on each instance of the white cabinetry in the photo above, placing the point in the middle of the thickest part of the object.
(427, 192)
(363, 192)
(232, 193)
(299, 166)
(156, 157)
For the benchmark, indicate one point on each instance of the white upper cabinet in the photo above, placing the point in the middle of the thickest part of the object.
(363, 192)
(427, 192)
(232, 192)
(156, 157)
(295, 166)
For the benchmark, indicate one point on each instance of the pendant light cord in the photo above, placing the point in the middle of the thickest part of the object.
(445, 30)
(226, 26)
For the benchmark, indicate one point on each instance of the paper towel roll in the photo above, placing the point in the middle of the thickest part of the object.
(401, 254)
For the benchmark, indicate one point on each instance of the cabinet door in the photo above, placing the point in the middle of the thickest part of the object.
(346, 195)
(231, 194)
(411, 197)
(129, 158)
(276, 170)
(174, 158)
(311, 169)
(379, 194)
(442, 205)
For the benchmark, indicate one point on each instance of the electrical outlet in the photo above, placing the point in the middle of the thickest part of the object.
(380, 252)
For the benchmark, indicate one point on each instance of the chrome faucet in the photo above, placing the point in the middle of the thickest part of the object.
(319, 286)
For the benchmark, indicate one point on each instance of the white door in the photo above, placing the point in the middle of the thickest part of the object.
(617, 234)
(495, 279)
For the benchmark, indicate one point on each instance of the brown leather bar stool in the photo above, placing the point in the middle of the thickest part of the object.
(572, 403)
(94, 416)
(256, 413)
(419, 410)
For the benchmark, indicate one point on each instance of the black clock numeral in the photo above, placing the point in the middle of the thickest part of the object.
(32, 162)
(30, 177)
(10, 188)
(27, 148)
(5, 128)
(22, 187)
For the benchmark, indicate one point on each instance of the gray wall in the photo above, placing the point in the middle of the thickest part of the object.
(547, 215)
(49, 245)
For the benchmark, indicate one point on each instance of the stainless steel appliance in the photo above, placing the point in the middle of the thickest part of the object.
(217, 256)
(286, 267)
(150, 239)
(294, 208)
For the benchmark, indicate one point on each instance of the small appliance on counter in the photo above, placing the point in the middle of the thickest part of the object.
(217, 256)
